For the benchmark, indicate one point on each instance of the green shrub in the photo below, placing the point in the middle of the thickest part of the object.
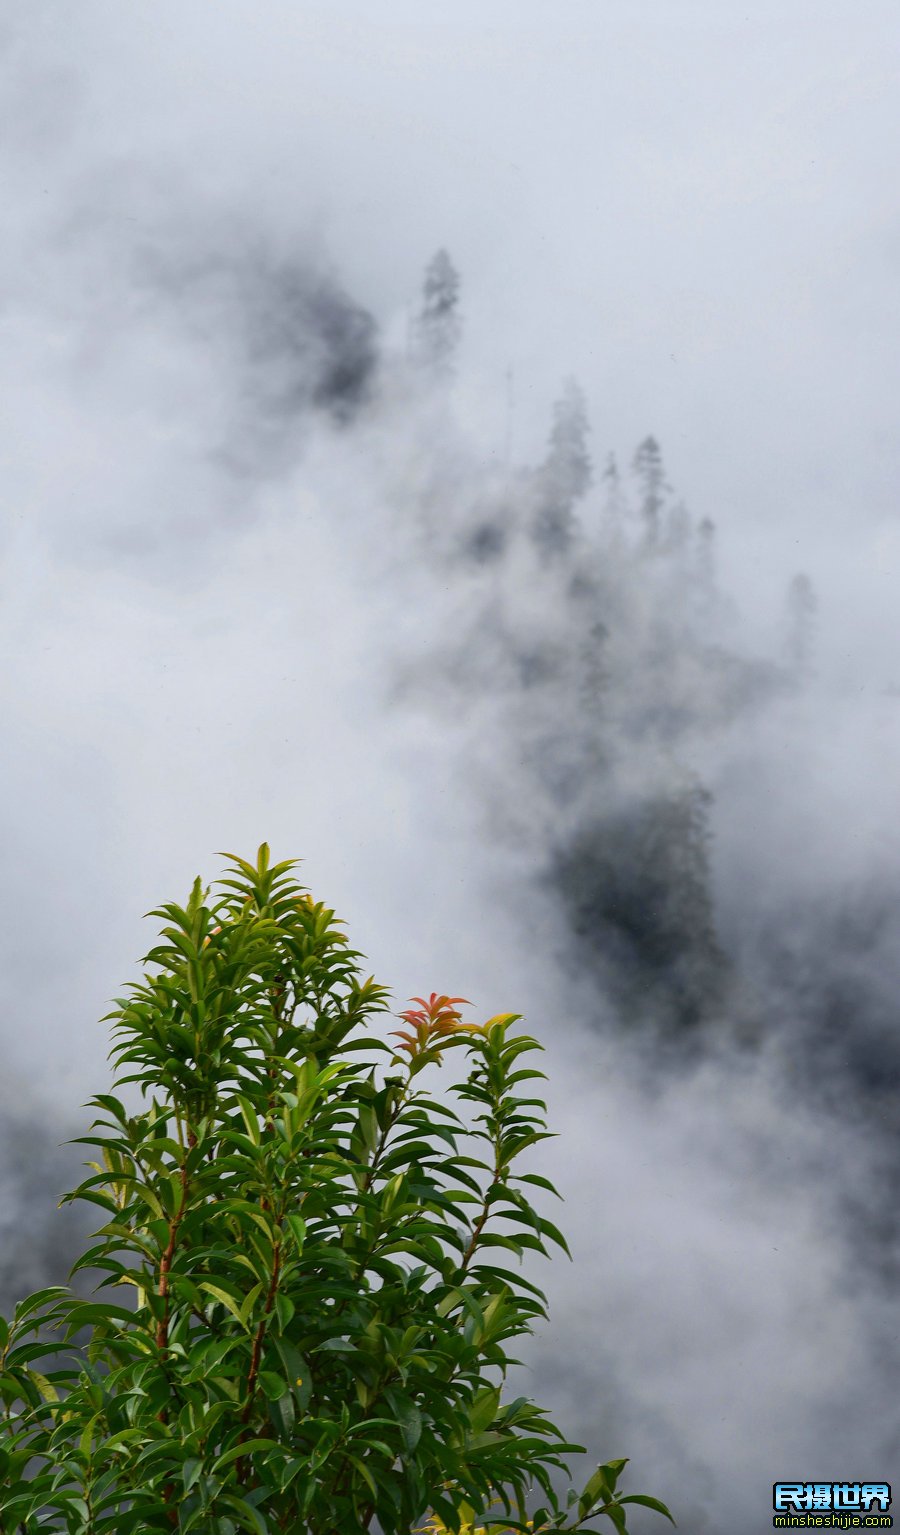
(322, 1260)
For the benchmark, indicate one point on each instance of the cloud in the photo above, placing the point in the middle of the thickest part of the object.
(260, 579)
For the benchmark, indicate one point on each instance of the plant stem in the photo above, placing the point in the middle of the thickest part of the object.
(253, 1372)
(162, 1328)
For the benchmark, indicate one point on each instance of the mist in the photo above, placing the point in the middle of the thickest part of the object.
(548, 617)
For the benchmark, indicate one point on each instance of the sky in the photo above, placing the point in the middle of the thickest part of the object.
(231, 610)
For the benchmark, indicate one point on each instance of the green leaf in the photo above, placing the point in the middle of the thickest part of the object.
(249, 1302)
(273, 1385)
(366, 1475)
(251, 1121)
(483, 1410)
(555, 1235)
(228, 1301)
(284, 1310)
(296, 1371)
(40, 1298)
(190, 1471)
(297, 1227)
(237, 1451)
(48, 1391)
(647, 1502)
(250, 1517)
(282, 1412)
(408, 1415)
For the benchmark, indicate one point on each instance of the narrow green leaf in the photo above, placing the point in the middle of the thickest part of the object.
(228, 1301)
(190, 1471)
(248, 1447)
(647, 1502)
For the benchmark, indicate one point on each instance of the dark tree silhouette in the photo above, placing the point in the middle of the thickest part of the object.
(678, 530)
(636, 885)
(439, 326)
(650, 475)
(566, 473)
(614, 504)
(705, 567)
(802, 607)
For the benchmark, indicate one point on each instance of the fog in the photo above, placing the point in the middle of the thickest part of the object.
(282, 560)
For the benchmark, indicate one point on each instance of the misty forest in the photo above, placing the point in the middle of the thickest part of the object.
(281, 564)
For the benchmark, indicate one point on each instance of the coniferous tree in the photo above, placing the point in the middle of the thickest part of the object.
(566, 473)
(678, 529)
(613, 497)
(568, 458)
(650, 475)
(705, 567)
(637, 887)
(439, 326)
(802, 608)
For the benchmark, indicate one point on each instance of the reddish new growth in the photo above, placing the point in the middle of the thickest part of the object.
(433, 1021)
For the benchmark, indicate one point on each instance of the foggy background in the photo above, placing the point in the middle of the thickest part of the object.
(291, 551)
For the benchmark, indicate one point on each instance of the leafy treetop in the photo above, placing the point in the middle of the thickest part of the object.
(322, 1258)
